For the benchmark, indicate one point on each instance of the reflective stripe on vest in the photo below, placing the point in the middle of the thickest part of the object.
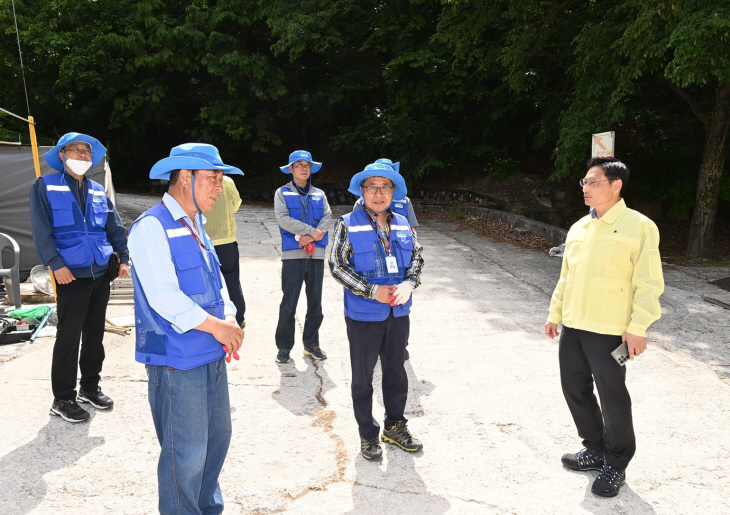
(310, 213)
(157, 341)
(80, 237)
(366, 248)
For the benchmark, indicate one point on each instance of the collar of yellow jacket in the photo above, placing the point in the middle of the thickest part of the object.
(612, 214)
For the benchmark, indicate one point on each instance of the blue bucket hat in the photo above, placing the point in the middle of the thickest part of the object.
(301, 155)
(378, 170)
(394, 166)
(97, 148)
(191, 156)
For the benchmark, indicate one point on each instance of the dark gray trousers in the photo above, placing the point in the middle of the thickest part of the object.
(368, 341)
(585, 358)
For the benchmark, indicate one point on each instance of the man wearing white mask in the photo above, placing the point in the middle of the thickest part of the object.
(76, 228)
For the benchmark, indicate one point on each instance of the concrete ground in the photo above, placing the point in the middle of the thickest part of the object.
(484, 398)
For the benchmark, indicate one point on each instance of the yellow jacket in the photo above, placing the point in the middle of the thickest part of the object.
(220, 223)
(612, 277)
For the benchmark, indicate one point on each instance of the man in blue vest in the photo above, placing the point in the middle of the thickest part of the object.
(377, 259)
(76, 228)
(304, 218)
(185, 326)
(402, 206)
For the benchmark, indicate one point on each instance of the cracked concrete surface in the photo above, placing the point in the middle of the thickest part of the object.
(484, 398)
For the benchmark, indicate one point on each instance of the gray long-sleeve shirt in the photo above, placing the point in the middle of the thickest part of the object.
(298, 227)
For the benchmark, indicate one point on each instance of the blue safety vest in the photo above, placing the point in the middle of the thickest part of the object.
(79, 237)
(157, 341)
(309, 211)
(400, 206)
(365, 246)
(397, 206)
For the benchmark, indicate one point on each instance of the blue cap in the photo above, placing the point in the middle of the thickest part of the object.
(191, 156)
(301, 155)
(378, 170)
(99, 150)
(394, 166)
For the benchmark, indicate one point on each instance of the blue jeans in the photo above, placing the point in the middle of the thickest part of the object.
(192, 417)
(294, 272)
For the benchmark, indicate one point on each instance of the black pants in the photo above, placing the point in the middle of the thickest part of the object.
(230, 259)
(294, 273)
(585, 357)
(368, 341)
(81, 312)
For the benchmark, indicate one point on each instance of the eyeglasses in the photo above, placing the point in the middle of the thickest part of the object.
(590, 182)
(374, 189)
(79, 152)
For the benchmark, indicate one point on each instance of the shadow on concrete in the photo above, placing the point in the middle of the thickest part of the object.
(417, 388)
(627, 501)
(397, 489)
(302, 392)
(57, 446)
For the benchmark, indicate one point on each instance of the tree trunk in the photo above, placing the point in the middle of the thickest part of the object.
(702, 230)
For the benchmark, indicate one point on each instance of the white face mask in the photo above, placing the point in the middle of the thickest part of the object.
(77, 166)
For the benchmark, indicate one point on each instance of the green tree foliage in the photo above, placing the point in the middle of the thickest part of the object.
(442, 86)
(638, 67)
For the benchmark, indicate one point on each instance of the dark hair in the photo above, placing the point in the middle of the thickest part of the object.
(612, 168)
(174, 176)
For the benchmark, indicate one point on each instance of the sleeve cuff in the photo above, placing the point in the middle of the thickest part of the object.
(57, 263)
(230, 308)
(191, 319)
(636, 330)
(371, 290)
(554, 318)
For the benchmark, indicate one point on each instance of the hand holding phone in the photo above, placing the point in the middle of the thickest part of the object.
(621, 353)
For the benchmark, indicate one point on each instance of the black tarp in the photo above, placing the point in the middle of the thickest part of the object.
(17, 175)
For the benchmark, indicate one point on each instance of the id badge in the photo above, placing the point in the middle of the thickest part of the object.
(392, 264)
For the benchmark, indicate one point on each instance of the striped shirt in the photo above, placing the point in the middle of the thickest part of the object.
(344, 273)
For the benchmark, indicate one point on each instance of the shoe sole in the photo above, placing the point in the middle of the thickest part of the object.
(607, 494)
(389, 440)
(283, 361)
(579, 469)
(83, 400)
(64, 417)
(379, 456)
(307, 353)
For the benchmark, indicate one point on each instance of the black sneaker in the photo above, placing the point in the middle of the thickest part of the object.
(371, 449)
(585, 459)
(283, 356)
(315, 352)
(399, 435)
(96, 398)
(69, 411)
(408, 356)
(608, 482)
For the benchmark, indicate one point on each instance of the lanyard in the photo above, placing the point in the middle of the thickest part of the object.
(383, 240)
(191, 231)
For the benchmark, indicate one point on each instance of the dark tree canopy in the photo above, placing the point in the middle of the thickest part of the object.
(442, 86)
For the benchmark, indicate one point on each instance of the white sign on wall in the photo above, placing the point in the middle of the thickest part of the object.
(602, 144)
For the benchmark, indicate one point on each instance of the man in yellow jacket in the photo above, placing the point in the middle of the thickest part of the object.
(221, 228)
(607, 294)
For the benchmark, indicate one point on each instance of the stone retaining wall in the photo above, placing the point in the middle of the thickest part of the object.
(556, 235)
